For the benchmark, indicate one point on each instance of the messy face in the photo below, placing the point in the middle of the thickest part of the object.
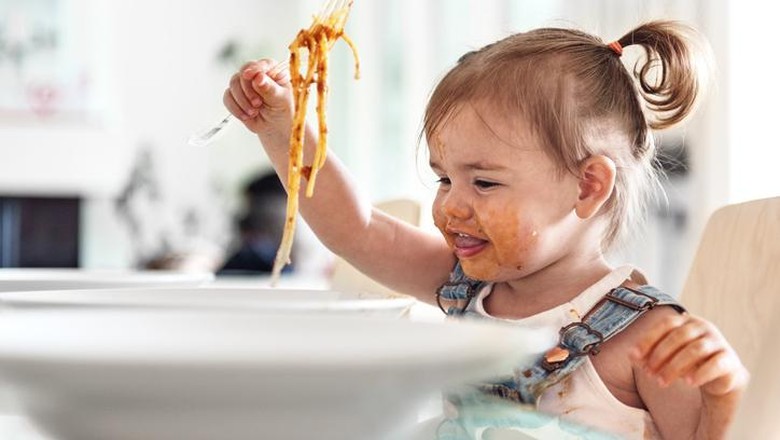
(501, 205)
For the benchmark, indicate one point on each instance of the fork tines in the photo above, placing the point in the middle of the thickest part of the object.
(331, 7)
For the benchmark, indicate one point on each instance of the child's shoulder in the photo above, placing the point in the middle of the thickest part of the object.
(626, 341)
(651, 319)
(654, 316)
(615, 365)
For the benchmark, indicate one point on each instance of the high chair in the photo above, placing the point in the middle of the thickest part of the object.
(346, 278)
(757, 414)
(734, 282)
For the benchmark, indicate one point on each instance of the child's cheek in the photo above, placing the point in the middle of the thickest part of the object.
(513, 236)
(440, 221)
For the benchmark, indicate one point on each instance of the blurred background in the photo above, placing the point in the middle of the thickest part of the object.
(98, 99)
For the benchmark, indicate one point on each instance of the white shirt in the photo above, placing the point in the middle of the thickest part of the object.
(582, 397)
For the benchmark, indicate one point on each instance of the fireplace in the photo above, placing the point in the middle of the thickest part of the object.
(39, 231)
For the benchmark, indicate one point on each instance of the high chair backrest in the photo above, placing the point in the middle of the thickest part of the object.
(734, 280)
(346, 278)
(757, 414)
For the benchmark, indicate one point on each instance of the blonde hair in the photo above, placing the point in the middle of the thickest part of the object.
(569, 84)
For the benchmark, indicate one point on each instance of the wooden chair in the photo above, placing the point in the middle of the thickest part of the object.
(346, 278)
(734, 282)
(757, 415)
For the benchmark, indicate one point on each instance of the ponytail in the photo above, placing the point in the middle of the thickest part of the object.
(672, 93)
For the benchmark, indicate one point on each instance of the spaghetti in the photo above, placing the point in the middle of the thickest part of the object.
(316, 41)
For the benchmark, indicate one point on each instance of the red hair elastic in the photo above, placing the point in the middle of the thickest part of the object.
(616, 47)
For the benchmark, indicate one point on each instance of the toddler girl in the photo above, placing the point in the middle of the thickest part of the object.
(543, 149)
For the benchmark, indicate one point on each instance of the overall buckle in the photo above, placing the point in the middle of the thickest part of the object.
(559, 355)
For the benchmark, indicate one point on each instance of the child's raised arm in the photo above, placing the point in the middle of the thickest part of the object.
(394, 253)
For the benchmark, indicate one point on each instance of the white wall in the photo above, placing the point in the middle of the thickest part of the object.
(754, 94)
(166, 83)
(154, 78)
(61, 153)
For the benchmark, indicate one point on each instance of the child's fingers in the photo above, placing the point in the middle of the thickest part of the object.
(708, 371)
(250, 93)
(281, 76)
(263, 82)
(673, 342)
(687, 359)
(265, 66)
(656, 334)
(720, 374)
(232, 106)
(252, 68)
(251, 72)
(240, 98)
(271, 91)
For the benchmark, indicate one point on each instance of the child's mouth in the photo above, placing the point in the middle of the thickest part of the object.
(467, 245)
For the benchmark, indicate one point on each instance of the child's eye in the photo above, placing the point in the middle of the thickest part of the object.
(484, 184)
(443, 181)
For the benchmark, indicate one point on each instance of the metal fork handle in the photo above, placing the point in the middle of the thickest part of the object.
(208, 136)
(203, 139)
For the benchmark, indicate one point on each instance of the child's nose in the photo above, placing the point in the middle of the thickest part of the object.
(456, 205)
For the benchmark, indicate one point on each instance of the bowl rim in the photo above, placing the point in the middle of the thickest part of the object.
(207, 296)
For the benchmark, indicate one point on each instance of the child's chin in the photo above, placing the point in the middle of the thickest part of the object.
(477, 271)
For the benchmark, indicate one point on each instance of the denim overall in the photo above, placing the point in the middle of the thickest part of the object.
(612, 314)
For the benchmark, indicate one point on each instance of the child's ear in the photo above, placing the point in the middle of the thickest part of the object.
(597, 181)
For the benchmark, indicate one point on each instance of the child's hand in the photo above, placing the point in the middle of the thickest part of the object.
(262, 102)
(692, 349)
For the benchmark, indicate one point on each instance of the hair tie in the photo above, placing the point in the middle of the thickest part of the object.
(616, 47)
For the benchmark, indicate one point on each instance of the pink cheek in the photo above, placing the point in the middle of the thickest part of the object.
(526, 242)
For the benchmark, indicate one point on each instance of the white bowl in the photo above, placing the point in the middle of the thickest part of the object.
(18, 280)
(197, 375)
(272, 300)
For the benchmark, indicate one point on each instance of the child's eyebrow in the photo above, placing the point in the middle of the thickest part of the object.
(484, 166)
(478, 166)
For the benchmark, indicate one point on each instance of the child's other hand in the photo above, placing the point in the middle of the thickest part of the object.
(261, 98)
(691, 349)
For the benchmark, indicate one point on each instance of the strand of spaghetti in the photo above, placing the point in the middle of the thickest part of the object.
(322, 47)
(300, 86)
(355, 56)
(322, 96)
(323, 89)
(324, 32)
(300, 93)
(295, 165)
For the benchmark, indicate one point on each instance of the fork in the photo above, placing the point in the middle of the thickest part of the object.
(328, 8)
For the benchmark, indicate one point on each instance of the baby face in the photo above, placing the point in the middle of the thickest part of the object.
(501, 205)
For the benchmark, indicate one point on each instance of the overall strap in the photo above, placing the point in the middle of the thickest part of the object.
(612, 314)
(459, 291)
